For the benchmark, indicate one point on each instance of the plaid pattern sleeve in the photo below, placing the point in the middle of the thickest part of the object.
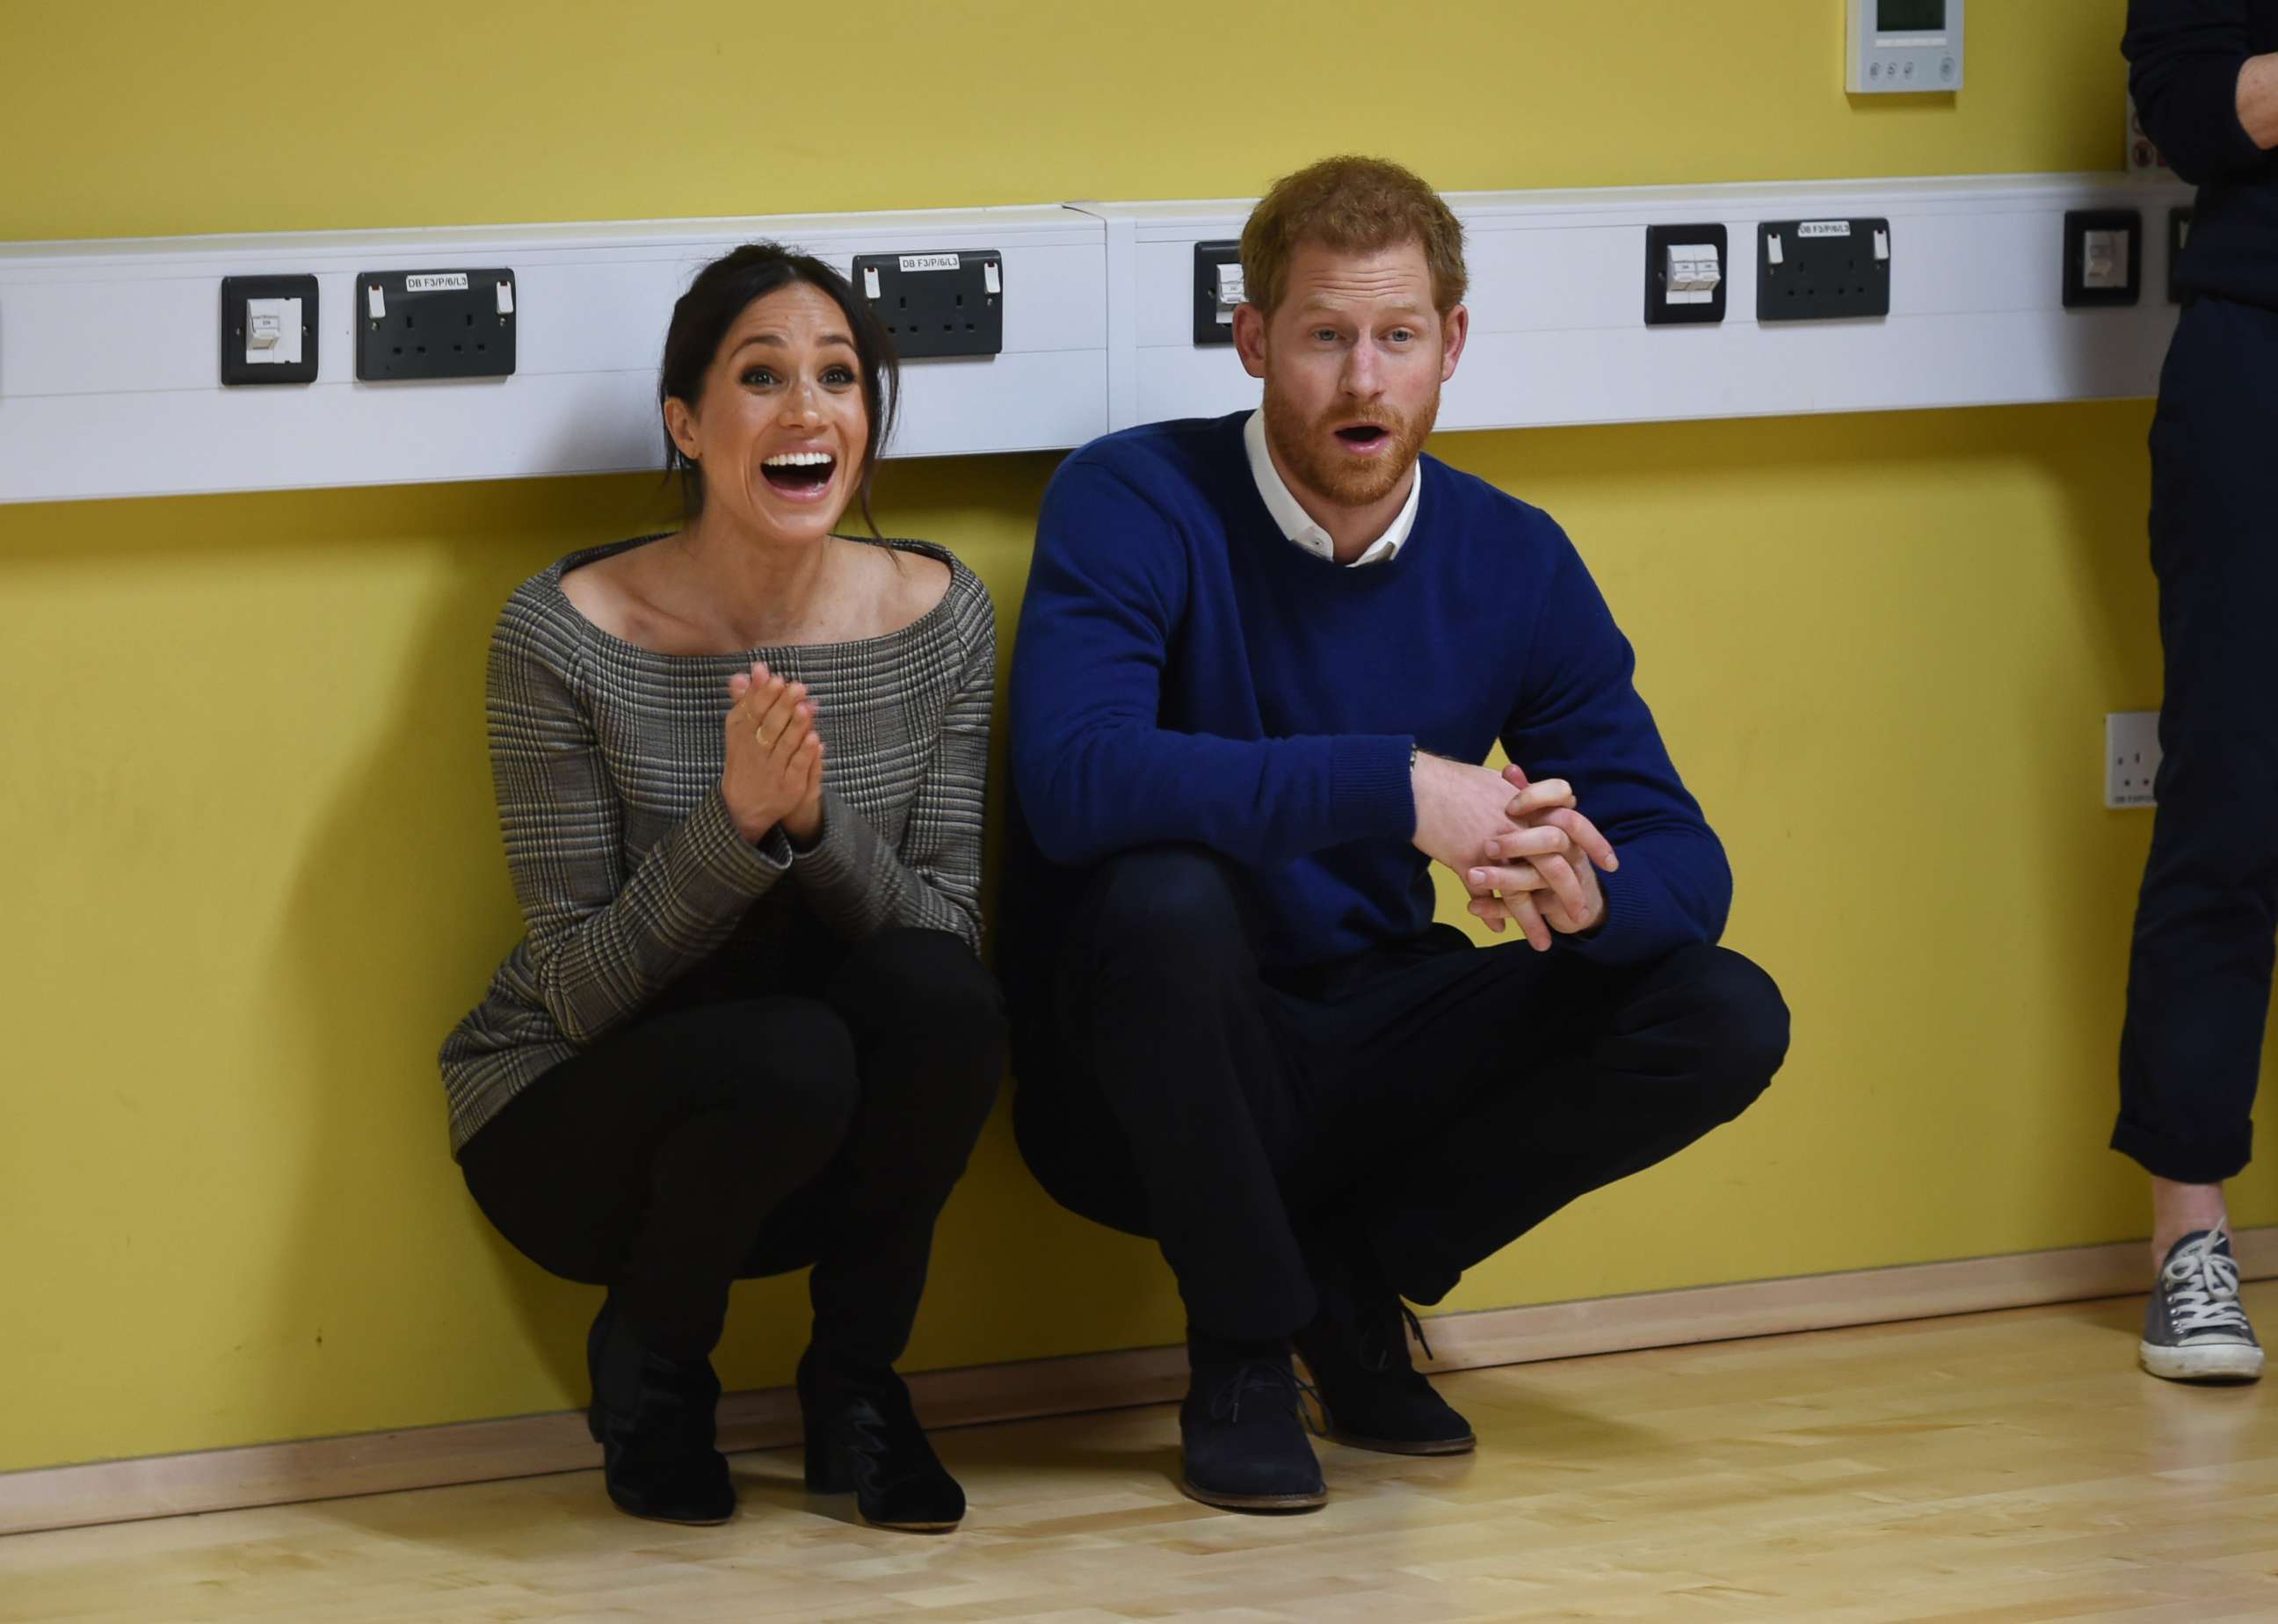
(862, 885)
(603, 939)
(631, 877)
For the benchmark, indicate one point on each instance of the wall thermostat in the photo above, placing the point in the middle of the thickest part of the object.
(1904, 47)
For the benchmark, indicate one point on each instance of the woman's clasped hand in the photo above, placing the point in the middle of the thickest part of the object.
(774, 771)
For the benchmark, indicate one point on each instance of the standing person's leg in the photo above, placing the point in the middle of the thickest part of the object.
(1156, 1096)
(649, 1164)
(928, 1029)
(1464, 1095)
(2199, 970)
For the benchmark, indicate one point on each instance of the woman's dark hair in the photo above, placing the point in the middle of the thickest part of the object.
(721, 292)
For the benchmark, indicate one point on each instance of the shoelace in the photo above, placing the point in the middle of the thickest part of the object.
(2202, 1285)
(1266, 1377)
(1378, 1343)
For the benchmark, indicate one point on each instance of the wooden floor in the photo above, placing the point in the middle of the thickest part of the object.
(2001, 1467)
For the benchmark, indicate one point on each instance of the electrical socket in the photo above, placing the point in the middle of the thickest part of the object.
(1217, 292)
(427, 324)
(2131, 757)
(239, 294)
(937, 304)
(2113, 275)
(1822, 270)
(1672, 252)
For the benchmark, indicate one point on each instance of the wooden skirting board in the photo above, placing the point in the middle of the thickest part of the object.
(521, 1446)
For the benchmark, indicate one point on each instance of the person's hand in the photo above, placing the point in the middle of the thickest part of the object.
(1459, 808)
(1544, 877)
(774, 763)
(804, 822)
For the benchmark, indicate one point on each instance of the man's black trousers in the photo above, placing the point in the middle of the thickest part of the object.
(2198, 977)
(1428, 1100)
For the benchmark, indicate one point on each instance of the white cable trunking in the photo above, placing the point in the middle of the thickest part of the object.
(110, 354)
(1557, 301)
(110, 373)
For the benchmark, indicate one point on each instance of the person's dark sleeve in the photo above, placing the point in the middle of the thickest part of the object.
(1578, 717)
(2183, 62)
(1097, 772)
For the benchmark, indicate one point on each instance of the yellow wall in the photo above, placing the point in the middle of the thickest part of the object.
(255, 873)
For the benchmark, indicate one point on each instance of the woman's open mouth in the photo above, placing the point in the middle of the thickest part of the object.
(800, 475)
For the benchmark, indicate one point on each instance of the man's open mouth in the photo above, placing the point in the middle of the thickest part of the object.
(1362, 433)
(799, 471)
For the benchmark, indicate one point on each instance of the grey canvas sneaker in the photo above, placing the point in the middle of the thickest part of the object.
(2194, 1330)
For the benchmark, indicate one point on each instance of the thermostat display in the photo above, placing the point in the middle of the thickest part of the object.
(1904, 47)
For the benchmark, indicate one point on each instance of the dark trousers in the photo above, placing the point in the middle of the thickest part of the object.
(1429, 1101)
(2198, 975)
(755, 1136)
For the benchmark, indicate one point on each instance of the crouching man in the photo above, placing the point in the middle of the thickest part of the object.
(1260, 661)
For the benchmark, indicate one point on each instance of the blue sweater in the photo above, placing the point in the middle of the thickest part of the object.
(1186, 674)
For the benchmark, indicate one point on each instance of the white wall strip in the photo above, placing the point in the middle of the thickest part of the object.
(109, 354)
(108, 351)
(1557, 305)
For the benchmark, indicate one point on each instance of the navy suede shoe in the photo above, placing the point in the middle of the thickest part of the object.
(1242, 1432)
(1371, 1392)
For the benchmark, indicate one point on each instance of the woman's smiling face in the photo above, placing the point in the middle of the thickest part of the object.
(779, 428)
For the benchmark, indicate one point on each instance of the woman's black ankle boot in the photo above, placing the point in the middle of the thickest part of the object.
(653, 1415)
(863, 1435)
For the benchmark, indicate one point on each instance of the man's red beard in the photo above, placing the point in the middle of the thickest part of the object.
(1309, 451)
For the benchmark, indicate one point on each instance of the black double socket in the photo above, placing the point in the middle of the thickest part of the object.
(412, 325)
(1815, 271)
(937, 304)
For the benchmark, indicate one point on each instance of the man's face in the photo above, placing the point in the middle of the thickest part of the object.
(1353, 359)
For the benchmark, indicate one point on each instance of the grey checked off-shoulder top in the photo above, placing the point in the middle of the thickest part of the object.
(630, 871)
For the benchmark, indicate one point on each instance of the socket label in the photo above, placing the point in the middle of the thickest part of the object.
(1823, 228)
(437, 282)
(932, 262)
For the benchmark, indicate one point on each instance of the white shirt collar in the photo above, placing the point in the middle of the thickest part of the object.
(1298, 525)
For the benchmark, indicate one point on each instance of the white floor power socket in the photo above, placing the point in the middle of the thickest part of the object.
(2131, 757)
